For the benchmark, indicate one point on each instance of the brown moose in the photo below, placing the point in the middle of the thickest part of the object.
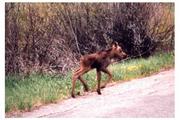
(99, 60)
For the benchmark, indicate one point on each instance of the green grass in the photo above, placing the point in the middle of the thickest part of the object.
(24, 93)
(136, 68)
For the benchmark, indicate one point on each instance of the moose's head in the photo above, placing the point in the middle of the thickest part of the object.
(117, 51)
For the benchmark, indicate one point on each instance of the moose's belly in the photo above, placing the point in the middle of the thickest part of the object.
(100, 64)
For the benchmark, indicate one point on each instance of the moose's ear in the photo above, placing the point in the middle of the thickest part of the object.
(114, 44)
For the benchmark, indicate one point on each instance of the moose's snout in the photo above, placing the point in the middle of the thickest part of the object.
(124, 55)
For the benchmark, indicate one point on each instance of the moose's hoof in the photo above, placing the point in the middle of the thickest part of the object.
(78, 93)
(103, 86)
(99, 92)
(86, 89)
(72, 95)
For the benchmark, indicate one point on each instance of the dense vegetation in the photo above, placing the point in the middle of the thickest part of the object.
(51, 37)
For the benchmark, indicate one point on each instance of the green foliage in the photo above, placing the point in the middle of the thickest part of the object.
(23, 93)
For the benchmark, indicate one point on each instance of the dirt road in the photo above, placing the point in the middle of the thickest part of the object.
(147, 97)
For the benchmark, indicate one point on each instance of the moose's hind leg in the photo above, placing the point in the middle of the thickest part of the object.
(99, 82)
(77, 75)
(84, 84)
(74, 78)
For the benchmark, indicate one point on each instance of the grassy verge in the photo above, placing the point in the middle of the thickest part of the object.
(35, 90)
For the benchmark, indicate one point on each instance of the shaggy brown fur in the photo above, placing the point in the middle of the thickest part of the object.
(99, 60)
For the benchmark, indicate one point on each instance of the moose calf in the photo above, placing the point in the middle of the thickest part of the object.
(99, 60)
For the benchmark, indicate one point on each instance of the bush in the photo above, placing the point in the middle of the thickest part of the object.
(51, 37)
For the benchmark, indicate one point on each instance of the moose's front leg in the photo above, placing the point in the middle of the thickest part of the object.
(105, 70)
(99, 82)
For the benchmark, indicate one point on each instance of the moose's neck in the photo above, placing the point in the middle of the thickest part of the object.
(110, 53)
